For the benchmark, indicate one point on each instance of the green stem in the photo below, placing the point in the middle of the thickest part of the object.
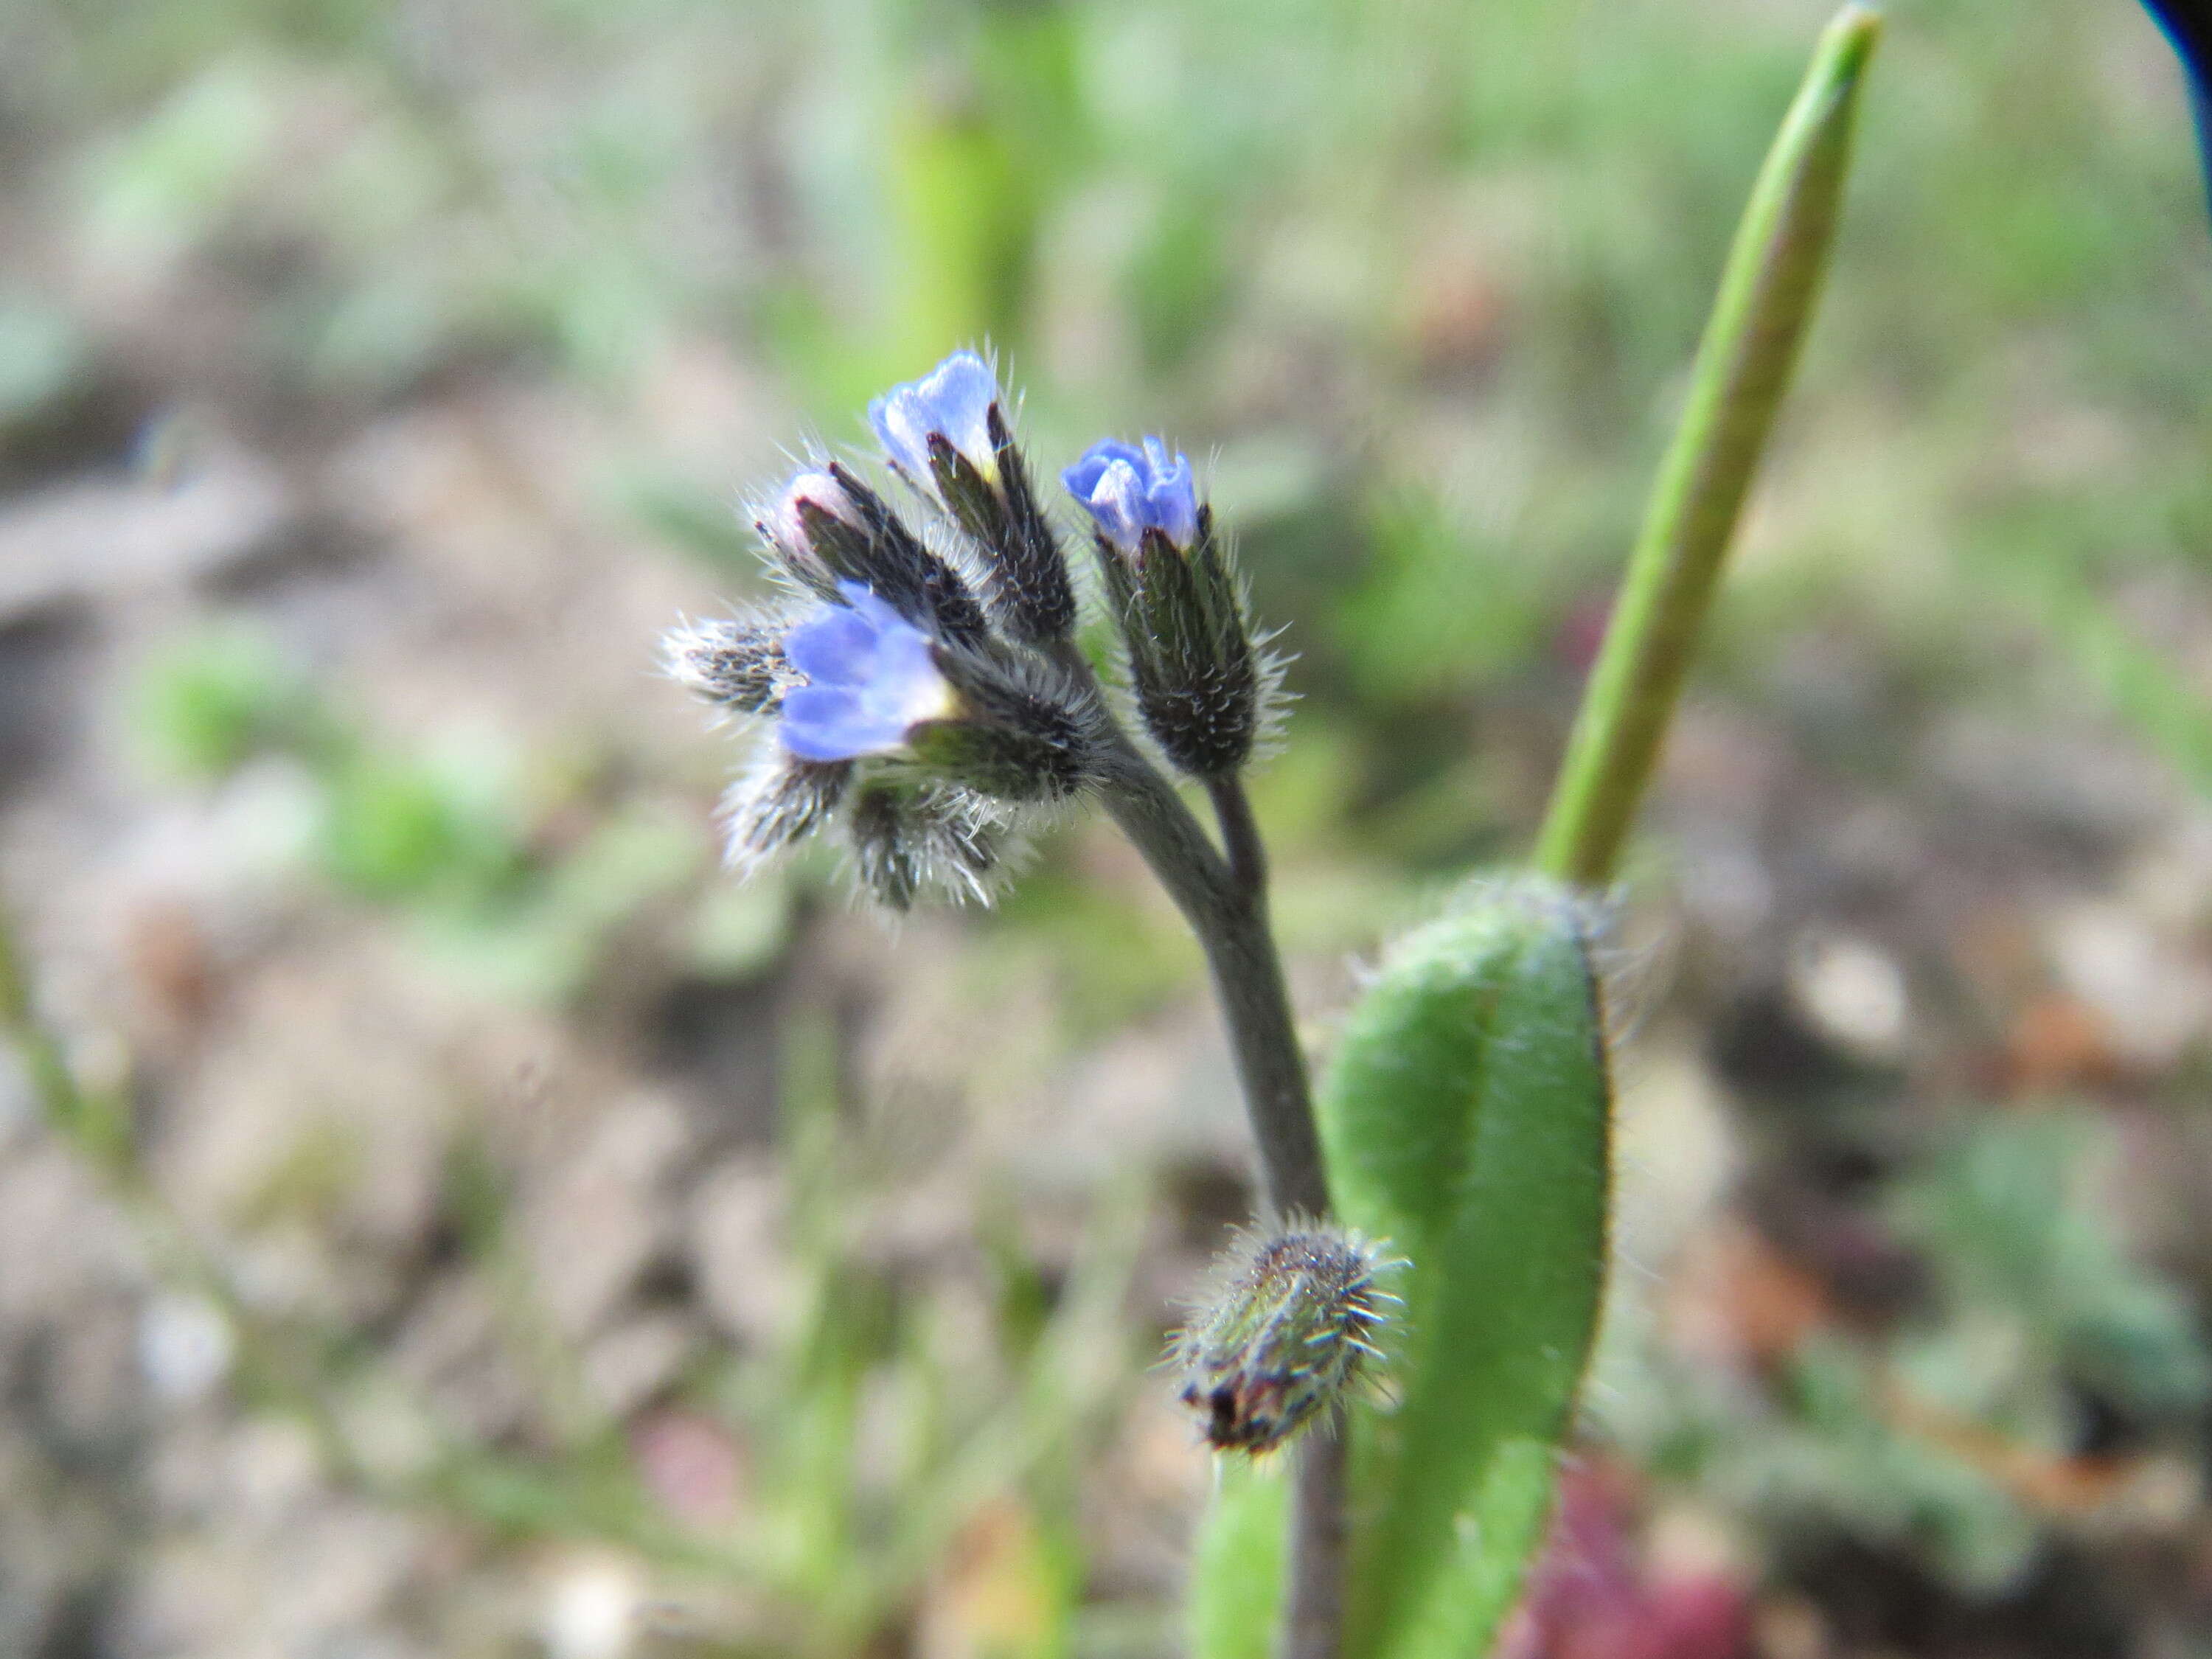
(1225, 899)
(1222, 894)
(1766, 297)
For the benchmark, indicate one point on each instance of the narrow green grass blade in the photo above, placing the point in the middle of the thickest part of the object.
(1766, 298)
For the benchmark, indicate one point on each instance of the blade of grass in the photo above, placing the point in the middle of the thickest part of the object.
(1766, 297)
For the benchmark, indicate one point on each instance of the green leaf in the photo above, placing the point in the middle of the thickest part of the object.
(1236, 1567)
(1467, 1120)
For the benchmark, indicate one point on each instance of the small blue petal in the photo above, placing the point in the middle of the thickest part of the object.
(831, 648)
(871, 678)
(1128, 490)
(1172, 497)
(953, 401)
(829, 723)
(1119, 504)
(1082, 478)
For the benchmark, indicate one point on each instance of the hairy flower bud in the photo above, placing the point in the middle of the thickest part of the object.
(816, 490)
(1199, 677)
(736, 662)
(908, 839)
(1290, 1325)
(782, 799)
(827, 528)
(948, 435)
(1025, 733)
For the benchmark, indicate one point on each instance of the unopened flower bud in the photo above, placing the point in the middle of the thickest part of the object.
(736, 662)
(949, 435)
(827, 528)
(784, 798)
(816, 490)
(1292, 1323)
(907, 840)
(1198, 679)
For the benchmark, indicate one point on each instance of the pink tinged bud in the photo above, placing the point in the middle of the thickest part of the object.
(814, 488)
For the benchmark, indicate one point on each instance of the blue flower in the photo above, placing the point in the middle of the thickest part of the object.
(1128, 490)
(953, 402)
(871, 680)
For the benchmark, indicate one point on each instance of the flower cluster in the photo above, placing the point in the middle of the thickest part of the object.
(922, 677)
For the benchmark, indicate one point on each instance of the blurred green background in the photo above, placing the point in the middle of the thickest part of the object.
(486, 1229)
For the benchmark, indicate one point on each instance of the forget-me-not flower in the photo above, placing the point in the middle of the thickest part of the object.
(1200, 681)
(953, 402)
(871, 679)
(918, 682)
(947, 435)
(1128, 490)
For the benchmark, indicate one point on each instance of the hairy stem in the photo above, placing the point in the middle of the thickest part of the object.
(1223, 896)
(1230, 916)
(1766, 296)
(1225, 901)
(1240, 833)
(1313, 1604)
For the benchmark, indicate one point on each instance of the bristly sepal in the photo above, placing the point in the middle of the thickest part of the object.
(1026, 577)
(1192, 661)
(1025, 733)
(909, 838)
(783, 798)
(736, 663)
(1295, 1320)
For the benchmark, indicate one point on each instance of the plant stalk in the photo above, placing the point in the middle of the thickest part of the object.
(1228, 911)
(1318, 1545)
(1240, 834)
(1222, 894)
(1767, 293)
